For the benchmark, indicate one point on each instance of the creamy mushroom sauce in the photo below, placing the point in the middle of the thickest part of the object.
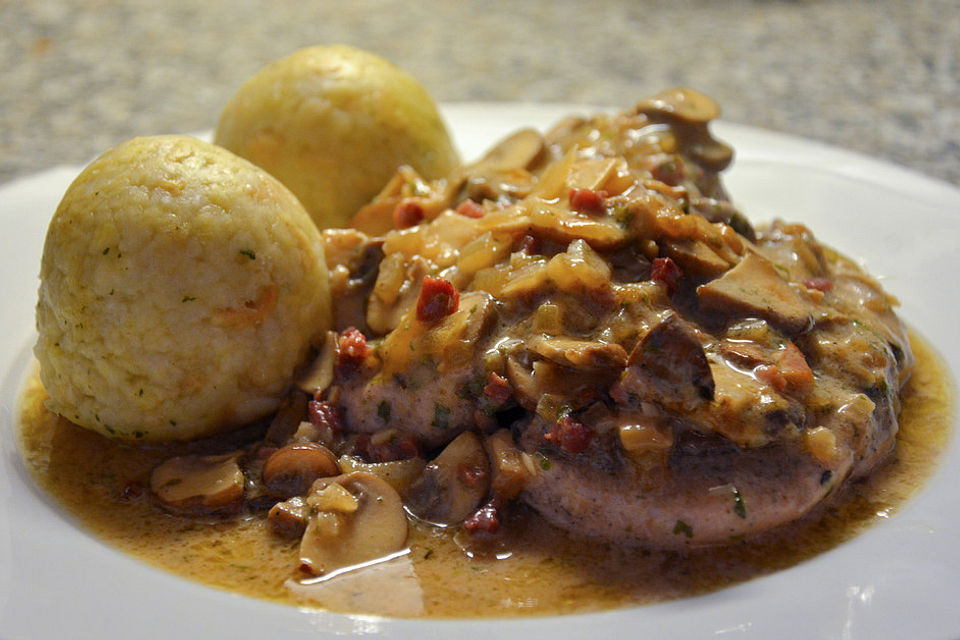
(536, 570)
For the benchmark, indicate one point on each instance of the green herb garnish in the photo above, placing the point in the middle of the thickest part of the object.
(739, 506)
(383, 410)
(441, 416)
(684, 528)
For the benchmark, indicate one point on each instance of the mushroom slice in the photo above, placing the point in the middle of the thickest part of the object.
(668, 366)
(682, 104)
(755, 288)
(195, 484)
(318, 375)
(452, 486)
(519, 150)
(356, 517)
(689, 112)
(289, 518)
(287, 419)
(291, 470)
(584, 354)
(695, 257)
(511, 468)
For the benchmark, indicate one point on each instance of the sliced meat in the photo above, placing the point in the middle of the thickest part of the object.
(424, 402)
(763, 367)
(430, 380)
(711, 495)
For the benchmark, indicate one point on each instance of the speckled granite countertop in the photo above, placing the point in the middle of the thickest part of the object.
(882, 78)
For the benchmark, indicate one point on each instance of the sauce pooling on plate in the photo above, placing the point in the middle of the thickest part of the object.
(536, 569)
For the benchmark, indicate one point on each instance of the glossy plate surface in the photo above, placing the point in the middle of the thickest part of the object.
(899, 580)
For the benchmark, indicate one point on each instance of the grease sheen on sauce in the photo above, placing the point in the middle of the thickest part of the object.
(534, 570)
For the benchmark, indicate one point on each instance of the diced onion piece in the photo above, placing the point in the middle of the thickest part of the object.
(821, 442)
(333, 497)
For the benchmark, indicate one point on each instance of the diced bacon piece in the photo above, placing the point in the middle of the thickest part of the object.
(497, 389)
(407, 214)
(438, 299)
(399, 446)
(587, 200)
(324, 414)
(768, 374)
(794, 368)
(570, 435)
(470, 209)
(818, 284)
(486, 519)
(352, 351)
(665, 270)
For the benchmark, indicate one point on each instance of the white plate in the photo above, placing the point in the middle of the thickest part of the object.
(898, 580)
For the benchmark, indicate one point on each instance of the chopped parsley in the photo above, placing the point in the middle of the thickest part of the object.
(543, 461)
(471, 389)
(441, 416)
(683, 528)
(383, 410)
(249, 253)
(739, 506)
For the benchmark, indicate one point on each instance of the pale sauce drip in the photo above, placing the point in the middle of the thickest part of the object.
(543, 570)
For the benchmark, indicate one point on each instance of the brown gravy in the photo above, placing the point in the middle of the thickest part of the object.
(535, 570)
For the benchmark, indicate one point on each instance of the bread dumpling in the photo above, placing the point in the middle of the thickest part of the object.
(334, 123)
(180, 288)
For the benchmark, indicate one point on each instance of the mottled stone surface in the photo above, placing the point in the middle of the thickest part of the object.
(882, 78)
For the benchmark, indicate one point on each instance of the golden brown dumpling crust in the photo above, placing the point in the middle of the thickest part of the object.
(334, 123)
(180, 287)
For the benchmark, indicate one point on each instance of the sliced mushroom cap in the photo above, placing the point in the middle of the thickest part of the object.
(686, 105)
(395, 291)
(695, 257)
(534, 380)
(317, 376)
(754, 288)
(289, 518)
(511, 468)
(292, 469)
(357, 517)
(453, 485)
(746, 410)
(689, 112)
(584, 354)
(287, 419)
(668, 366)
(519, 150)
(196, 484)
